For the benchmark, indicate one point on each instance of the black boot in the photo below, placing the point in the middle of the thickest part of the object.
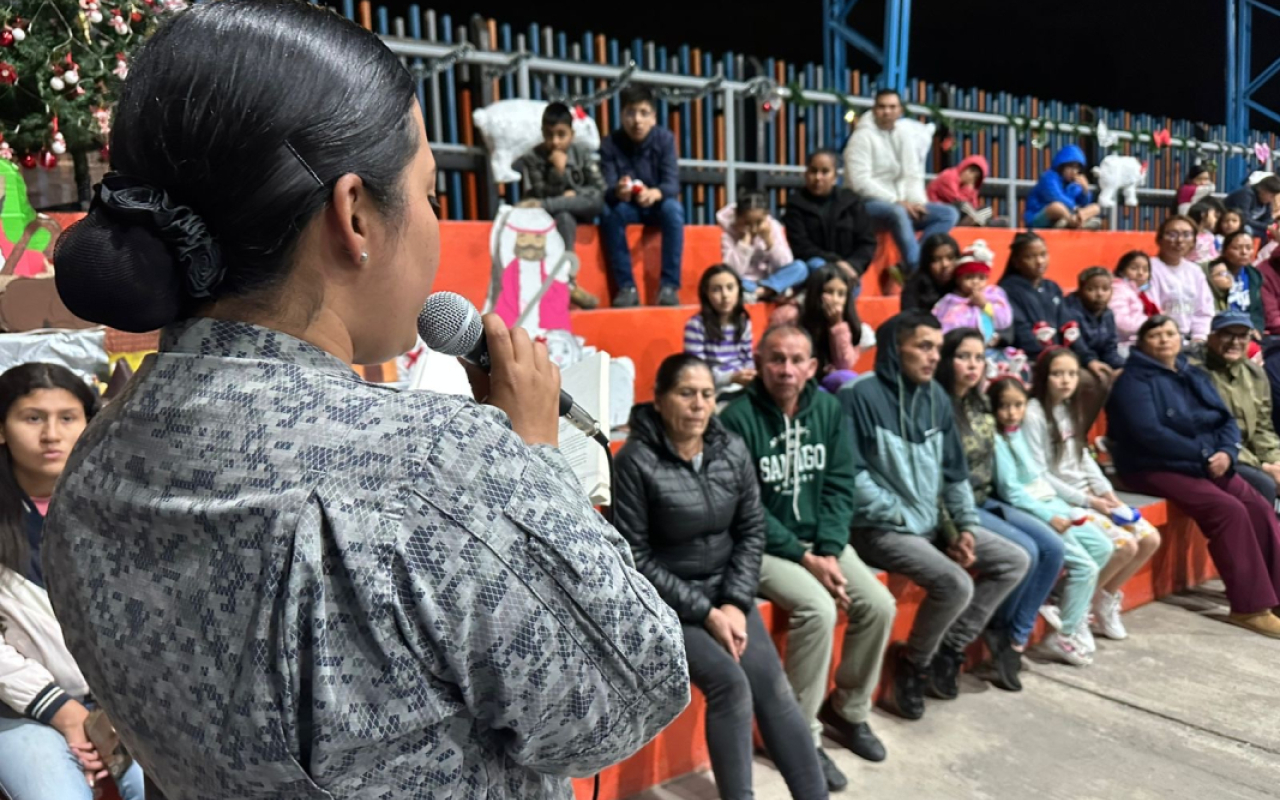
(944, 675)
(1006, 662)
(905, 696)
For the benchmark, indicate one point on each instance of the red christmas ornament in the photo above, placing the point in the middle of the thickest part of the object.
(136, 16)
(48, 160)
(28, 161)
(6, 38)
(8, 75)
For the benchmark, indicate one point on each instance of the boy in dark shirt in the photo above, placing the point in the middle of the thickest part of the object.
(564, 178)
(642, 183)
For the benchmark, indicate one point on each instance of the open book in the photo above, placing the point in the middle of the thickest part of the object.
(979, 215)
(587, 381)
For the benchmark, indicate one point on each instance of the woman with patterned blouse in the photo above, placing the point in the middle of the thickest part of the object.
(281, 581)
(961, 371)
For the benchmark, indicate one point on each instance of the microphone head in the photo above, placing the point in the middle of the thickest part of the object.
(450, 325)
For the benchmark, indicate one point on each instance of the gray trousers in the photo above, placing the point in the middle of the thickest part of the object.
(957, 607)
(736, 691)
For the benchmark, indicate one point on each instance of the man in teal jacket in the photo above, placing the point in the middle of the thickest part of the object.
(914, 511)
(805, 463)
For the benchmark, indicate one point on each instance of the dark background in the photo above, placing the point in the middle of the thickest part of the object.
(1163, 57)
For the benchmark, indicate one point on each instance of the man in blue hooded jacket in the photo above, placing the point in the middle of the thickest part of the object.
(1061, 198)
(914, 511)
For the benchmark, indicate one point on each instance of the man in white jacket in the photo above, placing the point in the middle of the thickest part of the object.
(881, 163)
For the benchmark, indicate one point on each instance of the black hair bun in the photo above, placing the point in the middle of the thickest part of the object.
(136, 260)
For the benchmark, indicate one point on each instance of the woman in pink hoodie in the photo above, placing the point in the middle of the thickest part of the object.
(961, 186)
(754, 245)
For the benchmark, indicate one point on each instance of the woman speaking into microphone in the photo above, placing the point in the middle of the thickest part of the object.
(281, 581)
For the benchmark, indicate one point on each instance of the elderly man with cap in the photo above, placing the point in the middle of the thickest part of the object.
(1245, 391)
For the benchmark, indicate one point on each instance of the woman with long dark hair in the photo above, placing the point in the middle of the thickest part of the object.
(280, 580)
(44, 750)
(962, 371)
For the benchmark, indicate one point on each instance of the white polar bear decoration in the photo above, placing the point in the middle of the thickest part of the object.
(1116, 173)
(511, 128)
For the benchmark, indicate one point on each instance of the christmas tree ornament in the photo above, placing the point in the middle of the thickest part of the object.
(6, 152)
(18, 33)
(28, 161)
(95, 17)
(7, 38)
(8, 75)
(71, 77)
(59, 145)
(57, 84)
(48, 160)
(135, 17)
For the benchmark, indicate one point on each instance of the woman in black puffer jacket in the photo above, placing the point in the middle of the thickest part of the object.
(687, 500)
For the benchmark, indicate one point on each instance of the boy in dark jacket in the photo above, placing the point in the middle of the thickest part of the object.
(800, 444)
(642, 184)
(827, 224)
(564, 178)
(909, 463)
(1089, 306)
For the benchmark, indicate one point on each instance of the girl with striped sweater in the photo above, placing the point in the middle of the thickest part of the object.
(720, 333)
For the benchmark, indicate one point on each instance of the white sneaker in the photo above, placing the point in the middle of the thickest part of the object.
(1052, 615)
(1106, 608)
(1084, 642)
(1061, 648)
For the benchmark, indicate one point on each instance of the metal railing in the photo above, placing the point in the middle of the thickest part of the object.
(732, 95)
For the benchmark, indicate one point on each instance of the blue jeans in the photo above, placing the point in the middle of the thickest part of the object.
(36, 764)
(668, 215)
(1017, 616)
(938, 218)
(782, 279)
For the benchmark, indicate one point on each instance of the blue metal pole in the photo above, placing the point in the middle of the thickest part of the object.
(890, 77)
(904, 47)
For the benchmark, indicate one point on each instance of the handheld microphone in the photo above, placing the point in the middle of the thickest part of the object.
(450, 325)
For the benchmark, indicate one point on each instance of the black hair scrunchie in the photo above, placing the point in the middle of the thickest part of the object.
(134, 202)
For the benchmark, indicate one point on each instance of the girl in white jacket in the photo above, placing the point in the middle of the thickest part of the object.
(1057, 437)
(44, 751)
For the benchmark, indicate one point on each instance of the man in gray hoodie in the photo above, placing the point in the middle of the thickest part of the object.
(914, 511)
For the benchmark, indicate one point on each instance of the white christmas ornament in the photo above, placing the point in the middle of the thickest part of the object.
(19, 34)
(71, 77)
(58, 147)
(57, 84)
(95, 17)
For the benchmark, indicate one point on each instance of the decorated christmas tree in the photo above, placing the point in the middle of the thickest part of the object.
(61, 66)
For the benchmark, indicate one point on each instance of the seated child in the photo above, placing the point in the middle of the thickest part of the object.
(1130, 303)
(1205, 214)
(753, 243)
(720, 333)
(974, 304)
(830, 315)
(642, 187)
(1020, 482)
(1055, 437)
(564, 178)
(1090, 305)
(960, 186)
(1061, 197)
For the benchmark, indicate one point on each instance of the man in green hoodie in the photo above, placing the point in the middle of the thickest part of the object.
(805, 463)
(914, 510)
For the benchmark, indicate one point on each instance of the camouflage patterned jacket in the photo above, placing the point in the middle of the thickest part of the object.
(284, 582)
